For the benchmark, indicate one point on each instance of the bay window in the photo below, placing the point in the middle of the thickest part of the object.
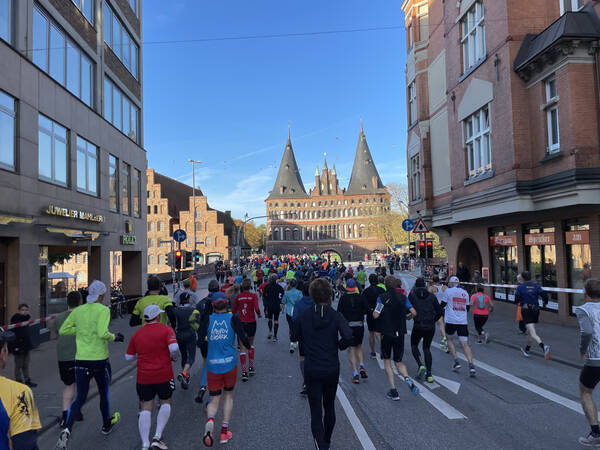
(551, 108)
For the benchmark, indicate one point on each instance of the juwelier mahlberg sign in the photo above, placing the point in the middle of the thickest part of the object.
(74, 214)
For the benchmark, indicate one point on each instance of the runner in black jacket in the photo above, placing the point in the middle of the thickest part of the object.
(429, 311)
(372, 293)
(272, 296)
(318, 330)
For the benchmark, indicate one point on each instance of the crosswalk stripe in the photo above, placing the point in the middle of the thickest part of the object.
(360, 431)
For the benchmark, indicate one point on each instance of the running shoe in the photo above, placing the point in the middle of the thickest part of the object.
(546, 352)
(275, 339)
(486, 337)
(355, 379)
(363, 372)
(421, 372)
(291, 347)
(471, 369)
(590, 440)
(208, 433)
(430, 379)
(63, 438)
(184, 379)
(373, 355)
(251, 371)
(244, 376)
(269, 336)
(303, 391)
(456, 366)
(393, 395)
(412, 386)
(201, 393)
(114, 420)
(444, 345)
(479, 341)
(145, 447)
(525, 352)
(226, 436)
(158, 443)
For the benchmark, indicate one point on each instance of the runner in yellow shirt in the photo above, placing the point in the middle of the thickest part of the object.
(19, 417)
(153, 297)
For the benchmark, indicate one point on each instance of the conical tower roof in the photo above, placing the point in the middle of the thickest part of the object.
(365, 178)
(288, 183)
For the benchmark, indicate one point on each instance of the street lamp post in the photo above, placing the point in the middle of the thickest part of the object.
(238, 249)
(194, 202)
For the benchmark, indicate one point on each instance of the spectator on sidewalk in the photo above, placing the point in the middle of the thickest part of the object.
(22, 346)
(19, 417)
(66, 348)
(89, 324)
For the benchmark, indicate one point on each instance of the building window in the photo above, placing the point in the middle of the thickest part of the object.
(207, 241)
(113, 183)
(125, 187)
(540, 255)
(87, 9)
(579, 260)
(150, 243)
(161, 226)
(133, 4)
(87, 167)
(155, 209)
(7, 131)
(137, 189)
(120, 41)
(5, 16)
(477, 142)
(52, 151)
(415, 177)
(473, 36)
(120, 111)
(150, 226)
(62, 59)
(412, 103)
(570, 5)
(551, 108)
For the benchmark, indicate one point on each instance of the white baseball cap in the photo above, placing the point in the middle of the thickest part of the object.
(454, 280)
(95, 290)
(151, 311)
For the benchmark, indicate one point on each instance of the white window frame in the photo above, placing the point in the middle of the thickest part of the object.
(113, 164)
(477, 138)
(131, 61)
(81, 6)
(11, 113)
(56, 133)
(412, 103)
(110, 93)
(415, 177)
(82, 60)
(8, 5)
(472, 40)
(570, 5)
(89, 153)
(551, 108)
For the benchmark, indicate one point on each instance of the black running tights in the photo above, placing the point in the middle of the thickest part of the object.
(321, 398)
(427, 336)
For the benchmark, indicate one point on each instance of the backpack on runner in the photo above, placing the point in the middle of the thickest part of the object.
(480, 300)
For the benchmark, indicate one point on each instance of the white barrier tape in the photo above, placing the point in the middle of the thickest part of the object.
(514, 286)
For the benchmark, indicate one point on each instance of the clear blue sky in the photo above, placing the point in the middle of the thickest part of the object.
(228, 103)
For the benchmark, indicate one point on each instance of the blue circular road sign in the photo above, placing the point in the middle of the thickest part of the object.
(179, 236)
(407, 225)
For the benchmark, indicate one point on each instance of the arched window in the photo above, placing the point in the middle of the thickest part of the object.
(276, 234)
(296, 234)
(318, 214)
(288, 235)
(361, 231)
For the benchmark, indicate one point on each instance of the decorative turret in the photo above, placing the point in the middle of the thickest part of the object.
(288, 183)
(365, 178)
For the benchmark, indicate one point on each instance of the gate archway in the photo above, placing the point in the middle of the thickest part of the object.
(468, 253)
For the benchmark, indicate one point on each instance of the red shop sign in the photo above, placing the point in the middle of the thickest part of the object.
(577, 237)
(503, 241)
(539, 239)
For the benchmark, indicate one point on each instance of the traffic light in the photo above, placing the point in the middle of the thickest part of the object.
(196, 255)
(188, 260)
(429, 249)
(178, 255)
(169, 259)
(422, 249)
(412, 249)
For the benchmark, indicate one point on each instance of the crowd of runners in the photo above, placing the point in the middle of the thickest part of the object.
(326, 305)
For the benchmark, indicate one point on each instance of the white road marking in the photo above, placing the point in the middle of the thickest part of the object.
(451, 385)
(360, 431)
(379, 361)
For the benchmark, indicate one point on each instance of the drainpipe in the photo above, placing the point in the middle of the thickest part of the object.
(594, 48)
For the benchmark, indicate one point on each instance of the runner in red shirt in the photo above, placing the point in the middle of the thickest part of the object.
(246, 307)
(261, 288)
(154, 346)
(226, 286)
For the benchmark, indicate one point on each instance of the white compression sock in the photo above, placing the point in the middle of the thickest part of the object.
(144, 422)
(161, 420)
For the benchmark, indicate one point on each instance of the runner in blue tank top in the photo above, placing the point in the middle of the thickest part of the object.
(219, 330)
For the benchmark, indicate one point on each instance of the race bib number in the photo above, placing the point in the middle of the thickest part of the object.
(459, 304)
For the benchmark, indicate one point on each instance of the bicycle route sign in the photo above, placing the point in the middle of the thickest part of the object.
(179, 235)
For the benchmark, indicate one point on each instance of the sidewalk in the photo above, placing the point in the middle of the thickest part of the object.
(44, 370)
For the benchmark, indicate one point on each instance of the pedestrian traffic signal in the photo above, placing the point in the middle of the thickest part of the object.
(422, 253)
(412, 249)
(178, 255)
(429, 249)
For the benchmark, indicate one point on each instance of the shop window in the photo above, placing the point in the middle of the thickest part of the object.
(579, 259)
(540, 254)
(504, 261)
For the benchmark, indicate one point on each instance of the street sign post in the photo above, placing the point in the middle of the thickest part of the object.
(420, 227)
(408, 225)
(179, 236)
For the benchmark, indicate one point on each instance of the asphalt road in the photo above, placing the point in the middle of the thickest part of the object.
(512, 403)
